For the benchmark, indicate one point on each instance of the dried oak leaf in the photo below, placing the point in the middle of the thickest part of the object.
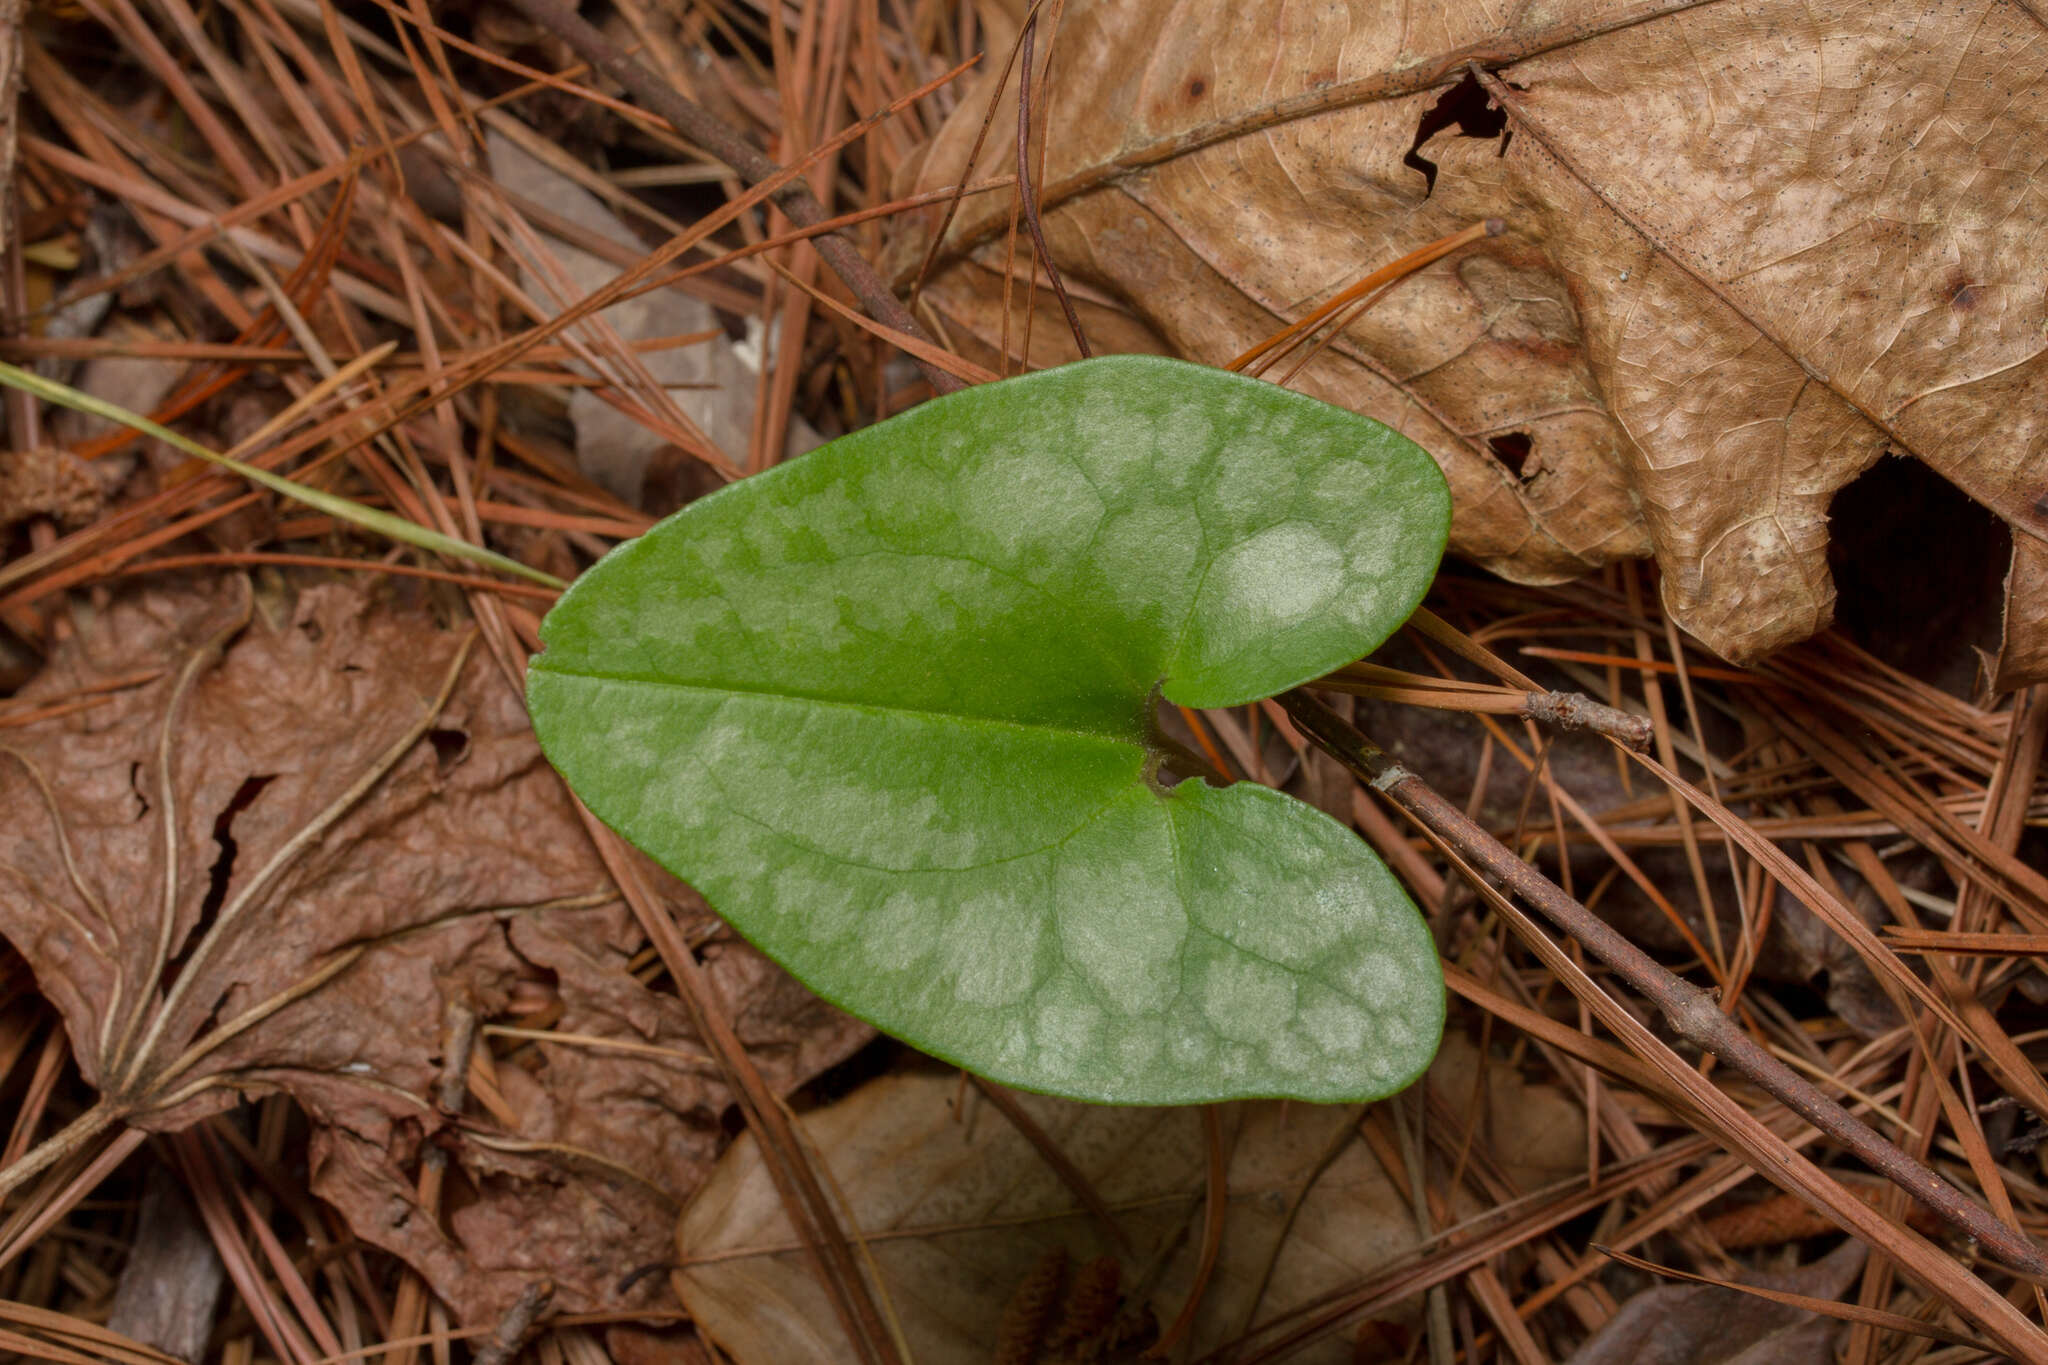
(278, 866)
(1749, 247)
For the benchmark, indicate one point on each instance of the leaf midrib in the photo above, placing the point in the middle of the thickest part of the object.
(1134, 737)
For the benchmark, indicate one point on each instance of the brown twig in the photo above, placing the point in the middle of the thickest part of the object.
(517, 1324)
(1690, 1011)
(729, 145)
(1577, 711)
(1560, 710)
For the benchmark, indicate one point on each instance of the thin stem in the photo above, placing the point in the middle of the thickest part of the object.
(1690, 1011)
(1028, 195)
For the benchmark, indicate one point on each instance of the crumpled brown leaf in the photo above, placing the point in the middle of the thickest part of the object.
(1748, 249)
(1700, 1325)
(346, 862)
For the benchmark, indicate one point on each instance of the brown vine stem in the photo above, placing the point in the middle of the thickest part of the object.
(1691, 1012)
(730, 145)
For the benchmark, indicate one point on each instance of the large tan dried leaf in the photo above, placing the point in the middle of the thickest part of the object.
(1750, 246)
(960, 1210)
(279, 865)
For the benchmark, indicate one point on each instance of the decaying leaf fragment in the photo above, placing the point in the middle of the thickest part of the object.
(1749, 248)
(47, 481)
(280, 865)
(1697, 1325)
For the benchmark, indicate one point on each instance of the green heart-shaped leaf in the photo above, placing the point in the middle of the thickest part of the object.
(888, 707)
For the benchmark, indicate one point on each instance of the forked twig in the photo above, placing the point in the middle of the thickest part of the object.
(1691, 1012)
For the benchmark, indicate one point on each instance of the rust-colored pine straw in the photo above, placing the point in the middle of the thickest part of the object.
(291, 230)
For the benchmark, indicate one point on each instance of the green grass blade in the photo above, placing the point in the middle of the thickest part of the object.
(369, 518)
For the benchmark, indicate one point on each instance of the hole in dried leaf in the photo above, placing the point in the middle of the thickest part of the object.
(1512, 449)
(463, 1189)
(135, 786)
(1471, 110)
(873, 1059)
(449, 746)
(635, 1276)
(1919, 570)
(224, 863)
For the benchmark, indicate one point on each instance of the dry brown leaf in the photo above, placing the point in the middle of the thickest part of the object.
(1536, 1133)
(1696, 1325)
(961, 1212)
(1749, 248)
(346, 863)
